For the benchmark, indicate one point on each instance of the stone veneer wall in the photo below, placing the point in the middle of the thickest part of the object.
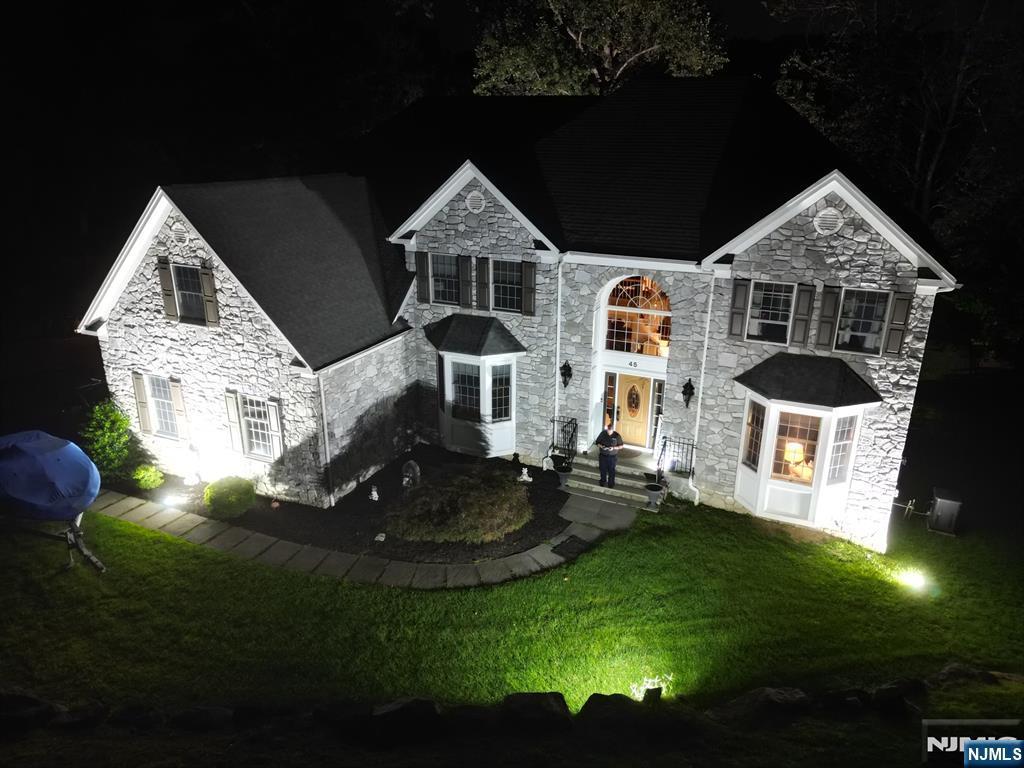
(585, 289)
(494, 233)
(244, 353)
(855, 257)
(375, 411)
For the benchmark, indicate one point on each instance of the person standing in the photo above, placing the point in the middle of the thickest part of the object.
(609, 443)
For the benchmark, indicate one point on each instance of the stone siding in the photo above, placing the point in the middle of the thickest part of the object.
(855, 257)
(494, 233)
(244, 353)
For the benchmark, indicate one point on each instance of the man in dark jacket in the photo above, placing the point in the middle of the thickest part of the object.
(609, 443)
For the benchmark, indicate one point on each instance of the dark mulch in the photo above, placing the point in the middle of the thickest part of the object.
(352, 524)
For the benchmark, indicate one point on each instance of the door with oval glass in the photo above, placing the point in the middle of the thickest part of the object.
(634, 409)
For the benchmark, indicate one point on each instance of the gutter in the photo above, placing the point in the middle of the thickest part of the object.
(327, 440)
(700, 388)
(558, 326)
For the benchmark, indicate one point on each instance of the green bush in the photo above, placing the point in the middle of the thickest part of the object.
(229, 497)
(148, 477)
(473, 508)
(108, 440)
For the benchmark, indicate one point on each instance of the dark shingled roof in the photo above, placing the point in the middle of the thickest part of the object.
(312, 252)
(810, 379)
(661, 168)
(472, 335)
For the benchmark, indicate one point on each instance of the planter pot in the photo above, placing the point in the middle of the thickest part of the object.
(563, 476)
(654, 491)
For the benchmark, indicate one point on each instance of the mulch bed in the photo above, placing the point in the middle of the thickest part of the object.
(352, 524)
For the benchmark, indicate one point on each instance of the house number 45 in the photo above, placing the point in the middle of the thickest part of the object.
(633, 364)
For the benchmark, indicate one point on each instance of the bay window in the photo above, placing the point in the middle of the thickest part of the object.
(796, 442)
(753, 434)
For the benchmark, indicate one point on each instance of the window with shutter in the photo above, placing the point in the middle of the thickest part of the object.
(828, 316)
(483, 283)
(771, 311)
(899, 324)
(444, 273)
(508, 285)
(142, 403)
(260, 427)
(422, 277)
(211, 312)
(465, 281)
(188, 287)
(861, 321)
(802, 315)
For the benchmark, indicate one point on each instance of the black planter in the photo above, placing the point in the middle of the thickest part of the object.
(564, 470)
(654, 491)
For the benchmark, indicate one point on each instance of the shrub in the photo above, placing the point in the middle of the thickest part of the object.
(229, 497)
(473, 508)
(148, 477)
(108, 440)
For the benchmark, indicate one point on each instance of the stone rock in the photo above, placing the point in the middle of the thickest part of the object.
(602, 708)
(955, 672)
(21, 711)
(537, 712)
(891, 699)
(406, 720)
(203, 718)
(652, 696)
(845, 702)
(136, 717)
(763, 705)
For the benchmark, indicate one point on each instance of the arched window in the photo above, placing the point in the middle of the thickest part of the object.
(639, 318)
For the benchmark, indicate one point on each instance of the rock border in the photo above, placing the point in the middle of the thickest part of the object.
(589, 518)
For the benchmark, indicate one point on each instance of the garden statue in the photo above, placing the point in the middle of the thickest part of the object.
(525, 477)
(380, 537)
(547, 464)
(374, 496)
(410, 475)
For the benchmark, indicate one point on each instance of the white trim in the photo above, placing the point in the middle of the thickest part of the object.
(405, 300)
(135, 247)
(836, 182)
(362, 353)
(630, 262)
(443, 194)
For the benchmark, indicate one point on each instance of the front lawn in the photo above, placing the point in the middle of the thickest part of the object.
(713, 598)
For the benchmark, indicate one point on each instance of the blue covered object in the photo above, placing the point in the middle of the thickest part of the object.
(45, 477)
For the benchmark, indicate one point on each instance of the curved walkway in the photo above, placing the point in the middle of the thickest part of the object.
(589, 518)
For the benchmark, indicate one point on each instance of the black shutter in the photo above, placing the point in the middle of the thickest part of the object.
(529, 288)
(829, 318)
(465, 281)
(899, 320)
(422, 277)
(483, 283)
(802, 314)
(163, 268)
(738, 307)
(210, 310)
(440, 383)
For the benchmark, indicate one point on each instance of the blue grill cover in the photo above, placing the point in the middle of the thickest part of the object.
(45, 477)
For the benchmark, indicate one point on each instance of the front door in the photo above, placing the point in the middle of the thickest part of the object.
(634, 404)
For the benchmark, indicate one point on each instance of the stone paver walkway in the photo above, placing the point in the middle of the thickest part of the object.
(588, 518)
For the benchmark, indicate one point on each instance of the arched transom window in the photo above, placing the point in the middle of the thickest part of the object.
(639, 318)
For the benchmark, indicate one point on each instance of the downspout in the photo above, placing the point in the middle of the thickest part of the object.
(700, 388)
(327, 440)
(558, 327)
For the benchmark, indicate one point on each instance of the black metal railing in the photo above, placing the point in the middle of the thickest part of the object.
(675, 457)
(563, 438)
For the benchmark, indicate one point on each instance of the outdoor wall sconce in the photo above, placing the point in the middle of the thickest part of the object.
(566, 371)
(688, 390)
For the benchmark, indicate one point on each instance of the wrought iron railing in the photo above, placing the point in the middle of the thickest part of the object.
(675, 456)
(563, 438)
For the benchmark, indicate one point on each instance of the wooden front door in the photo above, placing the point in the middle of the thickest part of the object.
(634, 404)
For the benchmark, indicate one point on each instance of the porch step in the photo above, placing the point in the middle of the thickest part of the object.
(632, 493)
(623, 474)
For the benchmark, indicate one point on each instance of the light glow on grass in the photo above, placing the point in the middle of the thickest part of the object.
(913, 578)
(637, 690)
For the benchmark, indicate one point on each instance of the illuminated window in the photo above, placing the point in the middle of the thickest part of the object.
(162, 406)
(639, 318)
(189, 288)
(507, 277)
(445, 271)
(795, 444)
(466, 391)
(842, 450)
(771, 306)
(861, 321)
(256, 423)
(754, 433)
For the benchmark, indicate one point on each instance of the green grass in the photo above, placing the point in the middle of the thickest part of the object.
(713, 598)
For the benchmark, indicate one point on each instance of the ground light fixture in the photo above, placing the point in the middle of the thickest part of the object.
(912, 578)
(173, 500)
(637, 690)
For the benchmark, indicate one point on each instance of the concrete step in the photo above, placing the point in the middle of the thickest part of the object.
(630, 477)
(628, 492)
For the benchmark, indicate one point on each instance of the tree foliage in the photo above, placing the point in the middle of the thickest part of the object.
(926, 94)
(574, 47)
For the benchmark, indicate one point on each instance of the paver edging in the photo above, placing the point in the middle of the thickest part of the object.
(370, 569)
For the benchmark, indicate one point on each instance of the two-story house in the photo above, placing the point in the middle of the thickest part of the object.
(685, 258)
